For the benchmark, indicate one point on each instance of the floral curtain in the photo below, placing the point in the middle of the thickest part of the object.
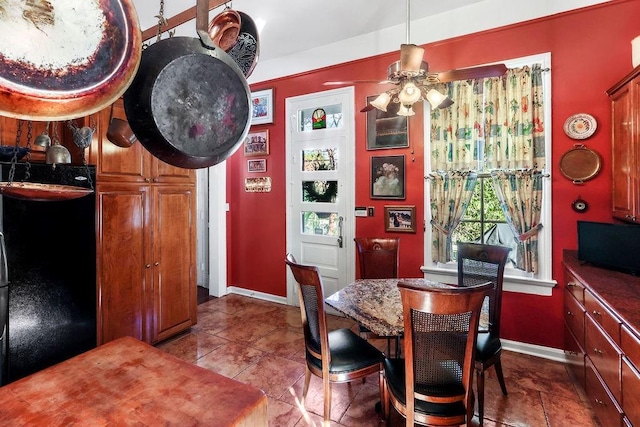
(520, 194)
(451, 192)
(495, 124)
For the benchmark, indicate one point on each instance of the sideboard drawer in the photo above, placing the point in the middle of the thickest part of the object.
(574, 355)
(603, 404)
(630, 345)
(574, 316)
(604, 355)
(574, 286)
(603, 316)
(631, 391)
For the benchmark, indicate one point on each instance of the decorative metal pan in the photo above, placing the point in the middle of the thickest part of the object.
(42, 192)
(580, 164)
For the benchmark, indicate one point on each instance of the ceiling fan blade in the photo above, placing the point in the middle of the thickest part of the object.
(471, 73)
(350, 82)
(368, 107)
(411, 57)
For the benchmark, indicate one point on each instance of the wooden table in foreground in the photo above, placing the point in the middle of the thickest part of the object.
(127, 382)
(376, 303)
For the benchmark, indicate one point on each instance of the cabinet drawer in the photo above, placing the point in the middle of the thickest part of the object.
(574, 355)
(574, 316)
(574, 286)
(603, 404)
(603, 316)
(630, 392)
(630, 345)
(604, 355)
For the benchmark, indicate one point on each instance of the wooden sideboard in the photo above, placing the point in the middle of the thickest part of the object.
(602, 330)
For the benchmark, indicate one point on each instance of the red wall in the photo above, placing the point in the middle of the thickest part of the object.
(590, 51)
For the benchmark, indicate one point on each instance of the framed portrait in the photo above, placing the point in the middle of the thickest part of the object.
(385, 129)
(257, 165)
(387, 177)
(262, 107)
(256, 143)
(400, 219)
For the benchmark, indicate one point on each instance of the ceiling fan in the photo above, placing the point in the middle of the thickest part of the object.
(413, 81)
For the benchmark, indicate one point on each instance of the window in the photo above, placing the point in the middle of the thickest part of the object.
(484, 220)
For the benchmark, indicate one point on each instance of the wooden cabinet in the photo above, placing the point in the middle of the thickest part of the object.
(611, 334)
(146, 242)
(625, 143)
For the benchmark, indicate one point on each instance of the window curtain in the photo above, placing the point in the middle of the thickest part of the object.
(495, 124)
(520, 195)
(451, 192)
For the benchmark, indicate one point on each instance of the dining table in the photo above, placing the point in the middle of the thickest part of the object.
(376, 303)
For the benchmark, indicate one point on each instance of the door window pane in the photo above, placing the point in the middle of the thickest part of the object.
(334, 117)
(320, 159)
(319, 191)
(320, 223)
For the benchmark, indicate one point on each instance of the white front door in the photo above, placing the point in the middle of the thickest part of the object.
(320, 150)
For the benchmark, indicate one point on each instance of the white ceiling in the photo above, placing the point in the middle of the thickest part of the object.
(299, 35)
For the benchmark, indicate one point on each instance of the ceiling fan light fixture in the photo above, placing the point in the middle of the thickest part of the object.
(438, 100)
(381, 101)
(410, 94)
(406, 110)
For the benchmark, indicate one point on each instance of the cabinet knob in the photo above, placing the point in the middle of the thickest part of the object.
(599, 402)
(596, 351)
(156, 264)
(569, 313)
(147, 266)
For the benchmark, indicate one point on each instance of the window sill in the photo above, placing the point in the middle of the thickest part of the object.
(523, 285)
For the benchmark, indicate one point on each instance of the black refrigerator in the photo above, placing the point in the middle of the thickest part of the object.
(49, 302)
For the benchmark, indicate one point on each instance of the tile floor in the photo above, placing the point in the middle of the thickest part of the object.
(261, 343)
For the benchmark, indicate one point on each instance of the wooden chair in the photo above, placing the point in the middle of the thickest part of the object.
(479, 263)
(378, 259)
(433, 384)
(336, 356)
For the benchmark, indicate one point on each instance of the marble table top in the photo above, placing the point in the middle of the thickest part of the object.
(376, 303)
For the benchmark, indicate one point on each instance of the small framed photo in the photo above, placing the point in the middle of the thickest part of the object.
(386, 129)
(262, 107)
(257, 165)
(256, 143)
(387, 177)
(400, 219)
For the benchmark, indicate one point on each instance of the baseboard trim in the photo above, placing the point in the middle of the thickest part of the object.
(256, 294)
(509, 345)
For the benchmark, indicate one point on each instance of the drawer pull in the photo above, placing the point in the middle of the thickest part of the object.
(569, 313)
(599, 402)
(596, 351)
(596, 313)
(572, 284)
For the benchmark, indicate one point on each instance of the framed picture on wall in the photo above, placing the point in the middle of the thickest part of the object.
(386, 129)
(387, 177)
(257, 165)
(400, 219)
(262, 107)
(256, 143)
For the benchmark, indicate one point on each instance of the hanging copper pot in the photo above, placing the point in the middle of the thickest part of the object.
(74, 58)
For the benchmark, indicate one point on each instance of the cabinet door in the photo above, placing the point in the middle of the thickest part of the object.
(173, 261)
(164, 172)
(124, 283)
(114, 163)
(624, 139)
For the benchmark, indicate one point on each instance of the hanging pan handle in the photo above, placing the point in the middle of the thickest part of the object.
(202, 24)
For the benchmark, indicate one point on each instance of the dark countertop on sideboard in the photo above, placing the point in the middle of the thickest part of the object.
(619, 291)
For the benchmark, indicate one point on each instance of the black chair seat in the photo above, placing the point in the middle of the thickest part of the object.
(349, 352)
(487, 346)
(395, 377)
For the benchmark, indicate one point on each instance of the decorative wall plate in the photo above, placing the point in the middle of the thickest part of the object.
(580, 126)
